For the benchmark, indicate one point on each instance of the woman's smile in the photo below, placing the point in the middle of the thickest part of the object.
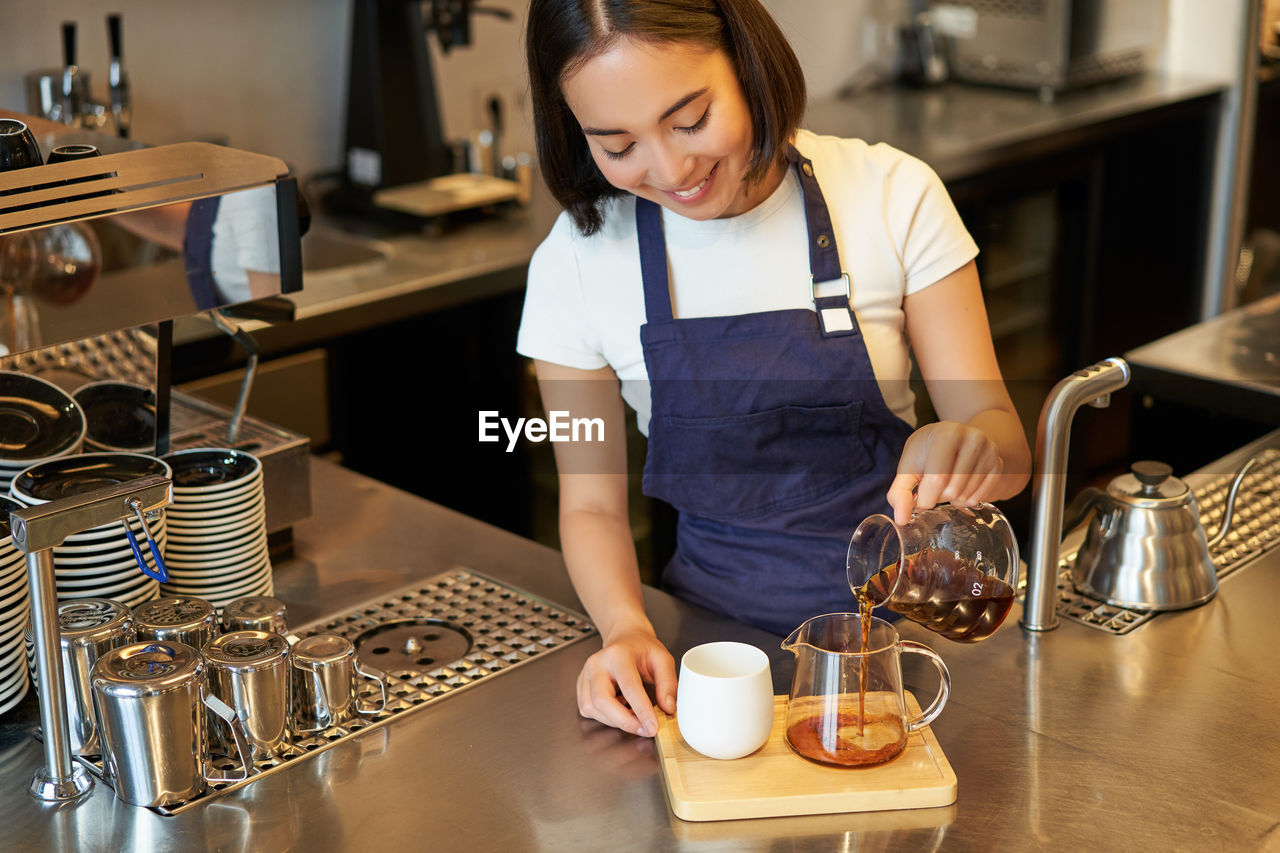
(694, 193)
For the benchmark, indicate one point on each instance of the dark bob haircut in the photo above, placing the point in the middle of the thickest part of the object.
(563, 34)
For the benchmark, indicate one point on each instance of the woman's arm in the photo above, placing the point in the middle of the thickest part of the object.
(599, 552)
(978, 450)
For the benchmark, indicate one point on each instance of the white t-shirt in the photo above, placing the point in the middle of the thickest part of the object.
(896, 229)
(245, 237)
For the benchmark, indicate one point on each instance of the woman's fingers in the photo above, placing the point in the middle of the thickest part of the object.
(611, 686)
(663, 670)
(902, 496)
(598, 699)
(945, 462)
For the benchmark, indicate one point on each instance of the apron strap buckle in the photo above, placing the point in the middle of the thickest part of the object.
(835, 317)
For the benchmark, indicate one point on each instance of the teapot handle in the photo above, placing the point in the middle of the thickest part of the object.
(944, 688)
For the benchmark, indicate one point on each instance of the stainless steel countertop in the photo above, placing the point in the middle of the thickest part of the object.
(1158, 739)
(1239, 348)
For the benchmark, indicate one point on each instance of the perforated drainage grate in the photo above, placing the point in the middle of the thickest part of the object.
(432, 638)
(1254, 531)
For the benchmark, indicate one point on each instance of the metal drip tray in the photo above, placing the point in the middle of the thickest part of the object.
(1254, 532)
(433, 638)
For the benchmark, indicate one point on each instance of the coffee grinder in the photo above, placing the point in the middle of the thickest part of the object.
(396, 160)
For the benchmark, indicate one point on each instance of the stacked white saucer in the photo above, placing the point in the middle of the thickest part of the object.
(15, 610)
(99, 562)
(38, 421)
(217, 526)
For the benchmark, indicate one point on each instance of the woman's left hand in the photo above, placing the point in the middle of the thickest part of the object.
(946, 462)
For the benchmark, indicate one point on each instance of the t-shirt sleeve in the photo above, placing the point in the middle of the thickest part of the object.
(555, 325)
(927, 227)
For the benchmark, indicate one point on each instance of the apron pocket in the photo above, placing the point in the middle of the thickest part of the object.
(744, 466)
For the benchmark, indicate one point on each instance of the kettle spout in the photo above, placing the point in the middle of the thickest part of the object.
(1089, 498)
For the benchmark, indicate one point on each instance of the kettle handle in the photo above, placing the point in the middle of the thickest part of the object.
(944, 688)
(1080, 507)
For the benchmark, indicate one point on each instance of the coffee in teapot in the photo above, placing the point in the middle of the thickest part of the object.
(956, 599)
(831, 722)
(953, 570)
(853, 738)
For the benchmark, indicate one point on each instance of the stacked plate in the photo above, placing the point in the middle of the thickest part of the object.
(15, 609)
(38, 421)
(119, 416)
(98, 563)
(217, 526)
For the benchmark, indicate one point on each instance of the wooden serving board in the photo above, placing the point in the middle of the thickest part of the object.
(773, 781)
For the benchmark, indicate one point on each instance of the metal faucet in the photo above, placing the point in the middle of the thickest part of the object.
(1092, 385)
(36, 530)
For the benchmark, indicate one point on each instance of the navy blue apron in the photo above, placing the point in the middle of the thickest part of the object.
(769, 435)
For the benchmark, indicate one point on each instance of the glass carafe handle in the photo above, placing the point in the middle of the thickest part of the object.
(944, 688)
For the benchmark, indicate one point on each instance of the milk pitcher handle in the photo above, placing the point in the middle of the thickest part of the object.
(944, 688)
(228, 716)
(380, 677)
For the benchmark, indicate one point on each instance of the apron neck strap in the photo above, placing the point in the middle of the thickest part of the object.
(653, 261)
(824, 257)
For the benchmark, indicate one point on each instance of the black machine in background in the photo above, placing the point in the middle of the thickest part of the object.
(393, 123)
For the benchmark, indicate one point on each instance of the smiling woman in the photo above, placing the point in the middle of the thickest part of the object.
(756, 293)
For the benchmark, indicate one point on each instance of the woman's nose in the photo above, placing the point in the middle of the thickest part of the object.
(671, 167)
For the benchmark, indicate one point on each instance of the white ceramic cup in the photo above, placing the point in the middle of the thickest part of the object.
(724, 699)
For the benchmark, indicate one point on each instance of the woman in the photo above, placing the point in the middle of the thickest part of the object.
(751, 289)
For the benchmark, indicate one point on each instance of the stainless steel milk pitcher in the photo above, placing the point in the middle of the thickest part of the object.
(151, 699)
(324, 668)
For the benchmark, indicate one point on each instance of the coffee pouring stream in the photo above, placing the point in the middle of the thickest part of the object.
(952, 569)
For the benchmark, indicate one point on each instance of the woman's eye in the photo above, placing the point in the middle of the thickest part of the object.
(618, 155)
(697, 125)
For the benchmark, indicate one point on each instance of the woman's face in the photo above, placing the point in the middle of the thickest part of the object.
(668, 122)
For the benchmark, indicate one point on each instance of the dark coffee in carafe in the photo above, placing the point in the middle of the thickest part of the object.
(948, 595)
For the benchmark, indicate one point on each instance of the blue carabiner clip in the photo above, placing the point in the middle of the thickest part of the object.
(161, 572)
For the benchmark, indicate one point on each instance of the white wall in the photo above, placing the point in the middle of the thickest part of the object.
(1204, 38)
(262, 75)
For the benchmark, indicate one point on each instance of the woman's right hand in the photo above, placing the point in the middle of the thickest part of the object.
(611, 686)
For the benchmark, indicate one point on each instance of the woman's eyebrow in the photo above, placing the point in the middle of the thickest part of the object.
(692, 96)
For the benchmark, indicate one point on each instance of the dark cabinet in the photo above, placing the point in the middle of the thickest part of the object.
(1089, 252)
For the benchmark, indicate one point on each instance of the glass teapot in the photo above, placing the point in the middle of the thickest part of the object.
(952, 569)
